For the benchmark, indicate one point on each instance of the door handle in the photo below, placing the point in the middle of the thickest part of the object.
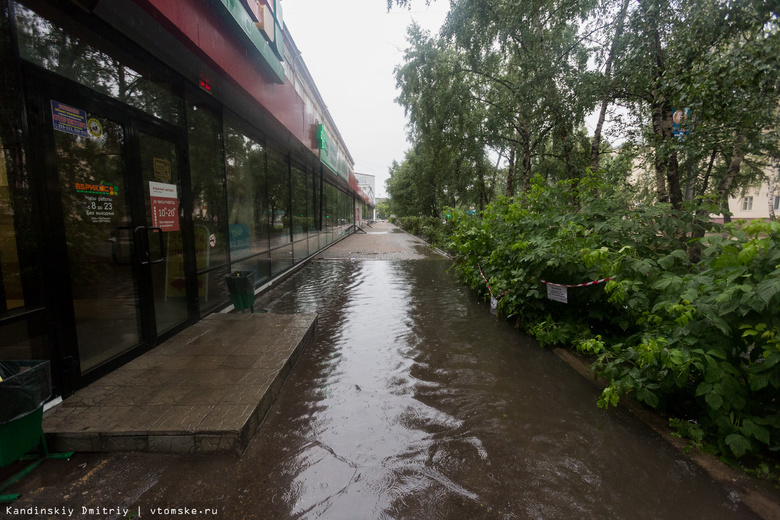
(162, 244)
(145, 253)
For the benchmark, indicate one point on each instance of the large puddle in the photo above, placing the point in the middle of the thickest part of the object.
(414, 402)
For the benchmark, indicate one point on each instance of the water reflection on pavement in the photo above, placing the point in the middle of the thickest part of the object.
(411, 402)
(414, 402)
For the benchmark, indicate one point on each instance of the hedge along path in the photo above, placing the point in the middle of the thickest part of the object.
(557, 295)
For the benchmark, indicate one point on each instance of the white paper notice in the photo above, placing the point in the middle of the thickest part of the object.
(557, 293)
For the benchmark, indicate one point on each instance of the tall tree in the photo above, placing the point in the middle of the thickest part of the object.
(609, 94)
(446, 122)
(720, 60)
(527, 64)
(532, 59)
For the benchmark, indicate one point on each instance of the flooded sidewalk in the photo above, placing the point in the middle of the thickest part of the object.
(411, 402)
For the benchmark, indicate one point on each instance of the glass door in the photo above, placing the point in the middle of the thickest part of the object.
(118, 251)
(159, 163)
(95, 199)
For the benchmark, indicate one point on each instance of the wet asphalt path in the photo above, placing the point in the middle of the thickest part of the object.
(412, 402)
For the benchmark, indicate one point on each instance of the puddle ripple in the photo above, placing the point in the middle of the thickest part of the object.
(414, 402)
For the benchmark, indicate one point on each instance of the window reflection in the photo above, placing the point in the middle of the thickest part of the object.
(11, 296)
(301, 210)
(44, 43)
(248, 227)
(209, 214)
(279, 199)
(17, 240)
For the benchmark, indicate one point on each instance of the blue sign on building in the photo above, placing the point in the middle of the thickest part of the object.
(68, 119)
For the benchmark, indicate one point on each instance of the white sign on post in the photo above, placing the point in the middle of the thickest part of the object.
(557, 293)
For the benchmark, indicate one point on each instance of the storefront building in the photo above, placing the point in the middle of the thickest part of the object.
(150, 148)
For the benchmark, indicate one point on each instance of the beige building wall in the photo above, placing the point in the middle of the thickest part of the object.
(755, 202)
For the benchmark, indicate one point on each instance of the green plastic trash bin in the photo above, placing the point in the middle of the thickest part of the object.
(241, 285)
(25, 388)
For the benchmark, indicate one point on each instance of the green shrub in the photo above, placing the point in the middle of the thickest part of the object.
(436, 230)
(699, 342)
(412, 225)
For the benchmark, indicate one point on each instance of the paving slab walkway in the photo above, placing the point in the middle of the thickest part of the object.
(381, 241)
(205, 390)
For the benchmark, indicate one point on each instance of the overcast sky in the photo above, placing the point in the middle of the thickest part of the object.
(350, 48)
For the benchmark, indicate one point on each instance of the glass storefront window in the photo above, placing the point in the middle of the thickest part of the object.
(316, 204)
(215, 291)
(301, 186)
(278, 198)
(245, 160)
(302, 212)
(11, 296)
(44, 43)
(209, 212)
(20, 287)
(279, 213)
(17, 237)
(207, 174)
(329, 215)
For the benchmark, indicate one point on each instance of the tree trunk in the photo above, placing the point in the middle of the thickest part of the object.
(595, 155)
(526, 134)
(526, 169)
(667, 171)
(482, 194)
(706, 181)
(667, 175)
(567, 148)
(673, 177)
(510, 176)
(734, 166)
(726, 211)
(701, 215)
(771, 202)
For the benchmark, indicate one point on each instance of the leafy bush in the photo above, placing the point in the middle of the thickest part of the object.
(436, 230)
(698, 341)
(412, 225)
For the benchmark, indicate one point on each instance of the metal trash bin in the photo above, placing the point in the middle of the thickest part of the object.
(24, 389)
(241, 285)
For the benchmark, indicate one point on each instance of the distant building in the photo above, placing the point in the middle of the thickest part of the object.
(753, 203)
(368, 184)
(756, 202)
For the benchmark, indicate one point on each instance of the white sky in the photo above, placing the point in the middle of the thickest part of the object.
(350, 48)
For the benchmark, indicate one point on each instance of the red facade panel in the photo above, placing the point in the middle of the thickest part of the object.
(198, 26)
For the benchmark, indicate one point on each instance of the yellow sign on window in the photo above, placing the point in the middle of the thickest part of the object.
(162, 169)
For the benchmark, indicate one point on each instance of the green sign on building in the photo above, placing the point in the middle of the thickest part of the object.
(271, 53)
(330, 155)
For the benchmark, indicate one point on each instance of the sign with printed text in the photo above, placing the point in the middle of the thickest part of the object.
(164, 201)
(68, 119)
(162, 169)
(680, 121)
(98, 200)
(330, 154)
(557, 293)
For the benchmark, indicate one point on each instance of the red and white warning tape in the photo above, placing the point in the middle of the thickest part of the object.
(544, 282)
(579, 284)
(488, 286)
